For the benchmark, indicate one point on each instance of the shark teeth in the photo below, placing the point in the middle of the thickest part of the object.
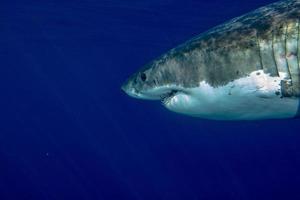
(165, 98)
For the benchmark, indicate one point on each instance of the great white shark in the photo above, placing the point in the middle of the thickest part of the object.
(244, 69)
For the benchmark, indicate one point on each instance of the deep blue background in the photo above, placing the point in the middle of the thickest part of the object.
(68, 132)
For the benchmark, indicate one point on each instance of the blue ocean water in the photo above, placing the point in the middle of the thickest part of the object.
(67, 131)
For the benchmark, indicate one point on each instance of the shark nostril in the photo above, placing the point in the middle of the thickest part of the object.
(143, 76)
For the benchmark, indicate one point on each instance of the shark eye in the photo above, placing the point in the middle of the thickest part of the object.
(143, 76)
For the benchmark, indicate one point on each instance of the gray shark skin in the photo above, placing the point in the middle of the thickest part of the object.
(255, 57)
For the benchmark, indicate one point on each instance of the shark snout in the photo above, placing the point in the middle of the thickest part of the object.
(129, 90)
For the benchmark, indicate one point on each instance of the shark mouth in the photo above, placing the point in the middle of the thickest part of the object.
(165, 98)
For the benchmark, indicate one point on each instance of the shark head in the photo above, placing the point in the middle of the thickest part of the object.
(156, 81)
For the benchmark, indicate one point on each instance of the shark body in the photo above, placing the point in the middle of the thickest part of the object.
(245, 69)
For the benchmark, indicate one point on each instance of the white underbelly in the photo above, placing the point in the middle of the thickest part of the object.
(254, 97)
